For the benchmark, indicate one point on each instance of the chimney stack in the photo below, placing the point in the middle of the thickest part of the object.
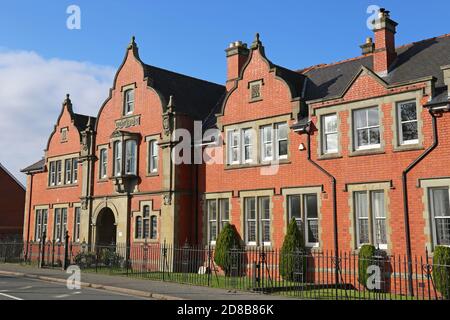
(384, 53)
(237, 55)
(446, 72)
(368, 47)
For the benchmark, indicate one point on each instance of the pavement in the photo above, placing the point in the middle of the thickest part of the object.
(122, 285)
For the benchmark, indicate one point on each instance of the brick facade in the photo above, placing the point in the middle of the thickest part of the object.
(183, 200)
(12, 201)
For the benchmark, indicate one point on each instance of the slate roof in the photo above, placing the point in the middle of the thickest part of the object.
(81, 121)
(192, 96)
(414, 61)
(38, 166)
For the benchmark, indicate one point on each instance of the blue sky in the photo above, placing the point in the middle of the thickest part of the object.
(190, 36)
(41, 60)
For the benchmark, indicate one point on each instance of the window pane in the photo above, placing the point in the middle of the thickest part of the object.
(409, 131)
(117, 157)
(138, 227)
(362, 137)
(363, 234)
(362, 217)
(361, 205)
(330, 123)
(331, 142)
(154, 227)
(374, 135)
(294, 207)
(378, 204)
(380, 231)
(265, 207)
(267, 134)
(408, 111)
(130, 147)
(360, 118)
(212, 210)
(313, 231)
(250, 208)
(311, 205)
(251, 231)
(373, 117)
(283, 148)
(265, 231)
(443, 231)
(224, 210)
(282, 131)
(146, 228)
(146, 211)
(441, 206)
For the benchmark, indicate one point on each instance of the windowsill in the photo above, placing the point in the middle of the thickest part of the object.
(152, 174)
(105, 179)
(255, 165)
(143, 241)
(255, 100)
(367, 152)
(63, 186)
(327, 156)
(124, 176)
(408, 147)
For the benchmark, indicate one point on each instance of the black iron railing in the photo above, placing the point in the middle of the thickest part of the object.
(309, 275)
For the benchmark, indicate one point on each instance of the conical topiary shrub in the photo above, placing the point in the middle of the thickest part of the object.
(441, 270)
(293, 243)
(365, 259)
(228, 239)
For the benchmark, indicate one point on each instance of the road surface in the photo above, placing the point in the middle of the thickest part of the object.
(20, 288)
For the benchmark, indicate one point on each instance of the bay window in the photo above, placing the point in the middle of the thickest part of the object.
(117, 158)
(153, 156)
(130, 157)
(103, 163)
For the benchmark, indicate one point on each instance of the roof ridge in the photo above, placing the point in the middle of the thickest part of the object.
(183, 75)
(12, 176)
(324, 65)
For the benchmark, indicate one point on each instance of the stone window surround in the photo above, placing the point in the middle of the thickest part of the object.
(386, 186)
(214, 196)
(393, 100)
(40, 207)
(256, 125)
(257, 194)
(317, 190)
(149, 138)
(259, 82)
(140, 213)
(426, 184)
(99, 148)
(63, 171)
(123, 137)
(123, 90)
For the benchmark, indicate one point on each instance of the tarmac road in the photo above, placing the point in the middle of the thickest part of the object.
(21, 288)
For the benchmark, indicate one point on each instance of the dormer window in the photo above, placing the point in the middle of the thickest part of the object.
(129, 102)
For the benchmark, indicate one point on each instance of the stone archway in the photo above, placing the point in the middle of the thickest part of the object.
(106, 228)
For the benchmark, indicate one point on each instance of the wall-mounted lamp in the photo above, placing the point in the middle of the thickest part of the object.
(301, 147)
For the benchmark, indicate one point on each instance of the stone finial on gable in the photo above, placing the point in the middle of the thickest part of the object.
(257, 42)
(67, 103)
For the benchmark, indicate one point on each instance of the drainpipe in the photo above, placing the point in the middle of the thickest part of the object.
(335, 226)
(405, 198)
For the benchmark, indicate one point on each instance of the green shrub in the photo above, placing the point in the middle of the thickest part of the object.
(109, 257)
(85, 259)
(365, 259)
(228, 239)
(293, 244)
(441, 270)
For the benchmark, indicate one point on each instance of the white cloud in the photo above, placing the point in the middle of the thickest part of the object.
(32, 90)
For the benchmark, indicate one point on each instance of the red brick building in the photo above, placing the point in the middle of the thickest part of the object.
(12, 200)
(355, 151)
